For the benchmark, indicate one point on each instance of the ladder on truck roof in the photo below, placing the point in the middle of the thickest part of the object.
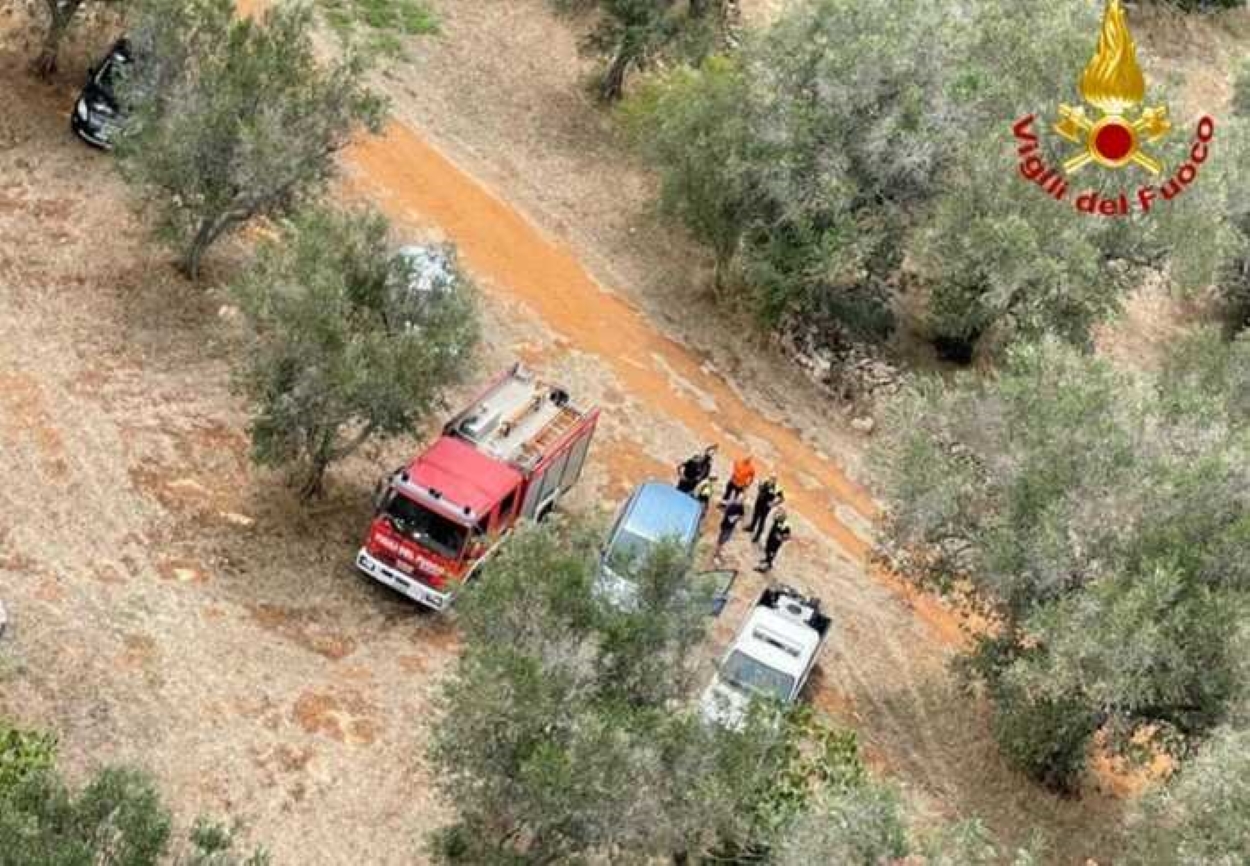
(550, 433)
(518, 418)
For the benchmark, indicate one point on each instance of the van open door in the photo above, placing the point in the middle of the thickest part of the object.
(722, 581)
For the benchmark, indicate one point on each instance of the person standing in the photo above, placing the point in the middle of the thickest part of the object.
(695, 470)
(734, 512)
(778, 535)
(703, 491)
(768, 496)
(740, 479)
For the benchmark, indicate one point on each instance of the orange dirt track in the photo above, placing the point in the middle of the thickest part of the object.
(413, 181)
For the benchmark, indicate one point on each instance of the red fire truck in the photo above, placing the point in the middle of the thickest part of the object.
(510, 456)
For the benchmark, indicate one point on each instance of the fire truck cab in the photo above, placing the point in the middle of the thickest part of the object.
(511, 455)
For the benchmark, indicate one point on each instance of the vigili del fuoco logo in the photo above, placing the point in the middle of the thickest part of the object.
(1118, 134)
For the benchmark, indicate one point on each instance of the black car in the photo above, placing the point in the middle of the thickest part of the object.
(97, 114)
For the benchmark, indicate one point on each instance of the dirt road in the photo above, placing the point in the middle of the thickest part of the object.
(172, 608)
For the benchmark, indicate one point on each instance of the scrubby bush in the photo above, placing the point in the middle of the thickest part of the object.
(116, 818)
(23, 753)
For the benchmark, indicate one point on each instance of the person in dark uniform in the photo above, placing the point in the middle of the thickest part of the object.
(768, 496)
(778, 535)
(734, 512)
(695, 470)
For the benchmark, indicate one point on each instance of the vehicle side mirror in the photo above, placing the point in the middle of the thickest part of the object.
(379, 494)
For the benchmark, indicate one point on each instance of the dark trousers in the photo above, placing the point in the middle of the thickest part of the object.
(770, 553)
(731, 489)
(758, 518)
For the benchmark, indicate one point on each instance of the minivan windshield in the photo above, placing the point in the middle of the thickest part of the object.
(749, 675)
(426, 527)
(629, 551)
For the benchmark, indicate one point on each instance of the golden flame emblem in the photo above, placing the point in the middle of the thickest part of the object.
(1114, 84)
(1113, 81)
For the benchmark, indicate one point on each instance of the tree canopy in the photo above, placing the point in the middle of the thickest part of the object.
(1203, 815)
(1101, 520)
(232, 118)
(568, 733)
(559, 735)
(857, 157)
(346, 341)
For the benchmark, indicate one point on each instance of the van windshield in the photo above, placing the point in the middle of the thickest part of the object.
(750, 675)
(427, 528)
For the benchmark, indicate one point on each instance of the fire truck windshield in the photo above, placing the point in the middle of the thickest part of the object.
(426, 527)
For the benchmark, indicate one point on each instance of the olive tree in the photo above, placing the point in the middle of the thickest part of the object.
(60, 15)
(567, 728)
(1100, 519)
(1202, 815)
(634, 33)
(567, 732)
(233, 119)
(858, 153)
(346, 341)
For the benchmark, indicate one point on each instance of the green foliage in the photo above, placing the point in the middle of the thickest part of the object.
(42, 821)
(1047, 739)
(558, 734)
(706, 190)
(233, 119)
(1202, 816)
(815, 759)
(117, 818)
(343, 347)
(1206, 5)
(566, 733)
(1234, 278)
(23, 753)
(859, 149)
(1102, 520)
(385, 23)
(633, 33)
(857, 826)
(567, 727)
(969, 843)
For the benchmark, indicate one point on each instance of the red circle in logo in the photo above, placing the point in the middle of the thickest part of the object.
(1114, 142)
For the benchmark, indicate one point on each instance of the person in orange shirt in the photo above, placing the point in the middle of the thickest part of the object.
(740, 479)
